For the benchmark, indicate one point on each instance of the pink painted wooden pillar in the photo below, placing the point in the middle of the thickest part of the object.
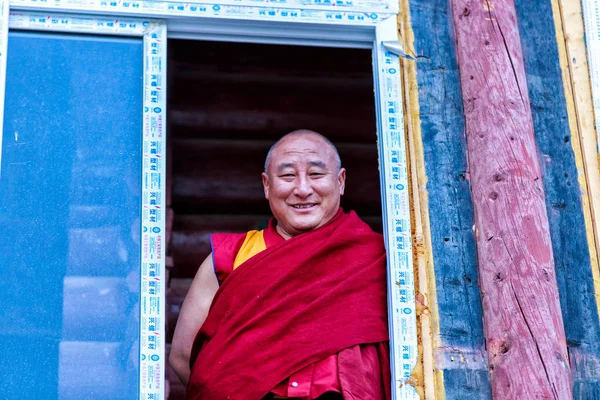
(522, 318)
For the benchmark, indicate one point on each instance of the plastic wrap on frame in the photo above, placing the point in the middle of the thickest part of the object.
(152, 291)
(68, 23)
(354, 5)
(279, 11)
(4, 18)
(396, 216)
(591, 15)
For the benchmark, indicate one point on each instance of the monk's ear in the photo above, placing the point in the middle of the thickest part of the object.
(342, 180)
(265, 182)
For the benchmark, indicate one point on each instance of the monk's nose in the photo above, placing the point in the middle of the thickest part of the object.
(303, 188)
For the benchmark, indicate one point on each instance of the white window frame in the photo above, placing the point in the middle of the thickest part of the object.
(591, 14)
(347, 23)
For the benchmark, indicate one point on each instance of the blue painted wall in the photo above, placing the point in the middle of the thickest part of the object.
(450, 206)
(69, 210)
(563, 195)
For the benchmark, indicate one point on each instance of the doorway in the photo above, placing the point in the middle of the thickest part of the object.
(227, 104)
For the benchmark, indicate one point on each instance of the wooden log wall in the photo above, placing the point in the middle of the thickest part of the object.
(459, 354)
(423, 376)
(522, 317)
(228, 98)
(227, 104)
(576, 193)
(460, 362)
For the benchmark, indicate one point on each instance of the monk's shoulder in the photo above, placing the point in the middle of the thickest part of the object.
(225, 247)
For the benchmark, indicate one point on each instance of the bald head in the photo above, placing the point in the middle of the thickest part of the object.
(303, 182)
(303, 132)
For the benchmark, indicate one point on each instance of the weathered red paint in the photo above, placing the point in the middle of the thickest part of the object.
(523, 323)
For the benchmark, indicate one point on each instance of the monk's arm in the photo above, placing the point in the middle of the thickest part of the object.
(191, 317)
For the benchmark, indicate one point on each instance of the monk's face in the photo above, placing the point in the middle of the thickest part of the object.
(303, 184)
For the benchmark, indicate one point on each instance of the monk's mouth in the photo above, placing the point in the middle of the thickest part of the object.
(303, 206)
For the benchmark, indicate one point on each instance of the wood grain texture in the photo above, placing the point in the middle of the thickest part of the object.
(423, 373)
(261, 91)
(577, 272)
(522, 317)
(245, 124)
(354, 91)
(578, 96)
(224, 176)
(460, 360)
(190, 242)
(585, 143)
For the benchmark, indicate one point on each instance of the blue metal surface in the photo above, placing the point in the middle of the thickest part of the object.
(69, 211)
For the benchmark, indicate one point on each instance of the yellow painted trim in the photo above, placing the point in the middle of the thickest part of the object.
(576, 80)
(430, 381)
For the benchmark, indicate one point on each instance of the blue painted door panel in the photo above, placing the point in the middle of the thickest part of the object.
(69, 217)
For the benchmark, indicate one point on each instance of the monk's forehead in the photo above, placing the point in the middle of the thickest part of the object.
(303, 145)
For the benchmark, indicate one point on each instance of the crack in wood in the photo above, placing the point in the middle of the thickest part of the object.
(492, 20)
(537, 346)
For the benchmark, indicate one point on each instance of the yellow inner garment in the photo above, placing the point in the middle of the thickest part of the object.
(253, 244)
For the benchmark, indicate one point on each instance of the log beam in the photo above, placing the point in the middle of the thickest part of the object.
(522, 318)
(190, 243)
(224, 176)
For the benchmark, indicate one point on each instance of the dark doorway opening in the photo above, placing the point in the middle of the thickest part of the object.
(227, 104)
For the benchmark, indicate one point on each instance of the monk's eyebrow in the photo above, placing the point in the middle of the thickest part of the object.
(318, 163)
(283, 166)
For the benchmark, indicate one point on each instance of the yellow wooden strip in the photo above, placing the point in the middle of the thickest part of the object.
(578, 94)
(430, 382)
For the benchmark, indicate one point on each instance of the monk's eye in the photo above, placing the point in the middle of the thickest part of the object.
(287, 176)
(316, 174)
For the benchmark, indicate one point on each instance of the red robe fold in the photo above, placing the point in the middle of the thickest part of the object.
(289, 306)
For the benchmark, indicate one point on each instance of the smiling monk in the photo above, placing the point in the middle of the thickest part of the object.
(297, 310)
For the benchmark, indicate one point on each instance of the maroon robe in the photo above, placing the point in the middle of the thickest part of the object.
(294, 304)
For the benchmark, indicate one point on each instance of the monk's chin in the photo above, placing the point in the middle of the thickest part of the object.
(298, 227)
